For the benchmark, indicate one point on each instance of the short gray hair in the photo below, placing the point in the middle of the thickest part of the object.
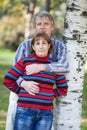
(42, 14)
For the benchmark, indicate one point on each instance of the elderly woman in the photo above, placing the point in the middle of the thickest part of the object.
(35, 110)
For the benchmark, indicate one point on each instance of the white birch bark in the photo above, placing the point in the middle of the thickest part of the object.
(29, 11)
(68, 110)
(28, 18)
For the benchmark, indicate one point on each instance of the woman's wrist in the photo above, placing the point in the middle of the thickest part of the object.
(22, 83)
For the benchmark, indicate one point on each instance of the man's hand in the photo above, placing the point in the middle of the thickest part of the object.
(35, 68)
(30, 86)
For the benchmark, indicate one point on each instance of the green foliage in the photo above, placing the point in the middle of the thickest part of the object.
(84, 126)
(11, 31)
(11, 7)
(12, 23)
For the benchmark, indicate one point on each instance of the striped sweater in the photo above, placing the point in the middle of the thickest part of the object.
(44, 98)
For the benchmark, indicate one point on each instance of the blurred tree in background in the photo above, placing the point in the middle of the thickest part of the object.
(16, 15)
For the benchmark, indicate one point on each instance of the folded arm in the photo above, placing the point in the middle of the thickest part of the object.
(13, 74)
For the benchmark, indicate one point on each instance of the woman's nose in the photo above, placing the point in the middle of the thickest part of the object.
(41, 45)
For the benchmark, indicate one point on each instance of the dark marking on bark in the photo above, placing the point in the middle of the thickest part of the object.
(78, 53)
(72, 7)
(70, 126)
(80, 99)
(79, 41)
(66, 103)
(66, 39)
(75, 31)
(82, 60)
(76, 91)
(65, 24)
(84, 13)
(76, 37)
(62, 124)
(75, 78)
(85, 32)
(79, 69)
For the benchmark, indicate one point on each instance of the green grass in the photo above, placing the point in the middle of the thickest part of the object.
(84, 112)
(6, 60)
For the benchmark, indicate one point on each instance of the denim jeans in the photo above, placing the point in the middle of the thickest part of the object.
(33, 119)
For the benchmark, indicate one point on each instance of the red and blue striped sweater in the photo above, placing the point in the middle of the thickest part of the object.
(44, 98)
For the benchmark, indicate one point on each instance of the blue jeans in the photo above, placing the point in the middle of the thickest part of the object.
(33, 119)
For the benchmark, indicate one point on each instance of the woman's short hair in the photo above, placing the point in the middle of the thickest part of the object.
(46, 37)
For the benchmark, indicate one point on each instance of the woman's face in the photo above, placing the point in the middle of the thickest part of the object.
(41, 47)
(44, 25)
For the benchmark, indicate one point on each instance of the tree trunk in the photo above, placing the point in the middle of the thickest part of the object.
(48, 4)
(68, 110)
(29, 11)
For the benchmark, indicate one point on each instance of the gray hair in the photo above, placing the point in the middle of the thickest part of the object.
(42, 14)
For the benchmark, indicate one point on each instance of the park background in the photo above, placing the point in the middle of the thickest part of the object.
(14, 28)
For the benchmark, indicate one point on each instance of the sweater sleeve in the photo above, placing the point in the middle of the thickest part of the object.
(22, 51)
(61, 86)
(62, 64)
(12, 75)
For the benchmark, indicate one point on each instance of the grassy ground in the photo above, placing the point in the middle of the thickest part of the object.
(6, 60)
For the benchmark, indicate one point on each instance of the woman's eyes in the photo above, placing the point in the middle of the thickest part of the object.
(43, 42)
(39, 43)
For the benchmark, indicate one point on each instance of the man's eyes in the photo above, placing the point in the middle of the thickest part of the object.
(39, 24)
(44, 23)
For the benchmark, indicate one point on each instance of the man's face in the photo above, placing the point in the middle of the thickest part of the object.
(44, 25)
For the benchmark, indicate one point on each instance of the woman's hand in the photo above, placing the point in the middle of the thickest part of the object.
(30, 86)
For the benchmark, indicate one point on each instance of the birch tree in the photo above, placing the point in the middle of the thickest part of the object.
(68, 110)
(29, 12)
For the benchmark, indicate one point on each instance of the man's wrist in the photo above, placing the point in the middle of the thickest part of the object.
(48, 68)
(43, 67)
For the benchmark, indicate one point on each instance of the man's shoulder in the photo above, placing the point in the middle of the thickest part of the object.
(28, 58)
(52, 59)
(57, 40)
(27, 41)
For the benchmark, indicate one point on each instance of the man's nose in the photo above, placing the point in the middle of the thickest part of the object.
(42, 25)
